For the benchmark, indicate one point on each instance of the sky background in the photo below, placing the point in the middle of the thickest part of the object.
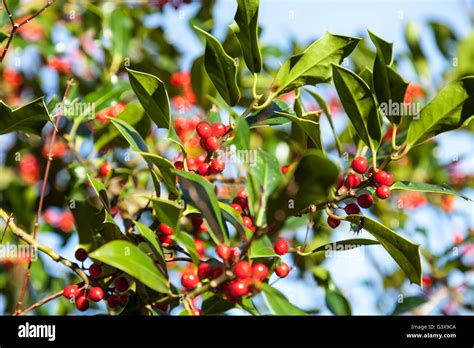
(304, 21)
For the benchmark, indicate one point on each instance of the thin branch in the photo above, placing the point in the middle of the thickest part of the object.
(6, 227)
(39, 303)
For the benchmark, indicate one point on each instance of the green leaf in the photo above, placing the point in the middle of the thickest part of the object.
(262, 247)
(200, 193)
(337, 303)
(221, 68)
(188, 242)
(452, 108)
(262, 180)
(246, 19)
(128, 258)
(101, 192)
(279, 303)
(429, 188)
(231, 215)
(444, 36)
(313, 66)
(310, 125)
(403, 251)
(167, 212)
(28, 118)
(201, 84)
(241, 137)
(216, 305)
(151, 239)
(359, 104)
(348, 244)
(408, 304)
(121, 25)
(88, 222)
(166, 169)
(268, 116)
(3, 36)
(417, 57)
(153, 96)
(309, 184)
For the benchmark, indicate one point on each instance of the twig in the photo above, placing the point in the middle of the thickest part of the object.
(39, 303)
(6, 227)
(15, 26)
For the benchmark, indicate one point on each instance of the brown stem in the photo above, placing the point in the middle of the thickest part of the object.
(39, 303)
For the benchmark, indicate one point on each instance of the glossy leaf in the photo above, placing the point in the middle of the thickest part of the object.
(348, 244)
(166, 170)
(188, 242)
(428, 188)
(262, 247)
(167, 212)
(151, 239)
(450, 109)
(279, 303)
(313, 66)
(360, 105)
(310, 126)
(221, 68)
(403, 251)
(128, 258)
(337, 303)
(246, 31)
(408, 304)
(28, 118)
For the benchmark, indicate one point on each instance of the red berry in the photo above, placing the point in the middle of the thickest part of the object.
(166, 230)
(179, 165)
(71, 291)
(212, 144)
(333, 223)
(282, 270)
(360, 165)
(243, 270)
(96, 294)
(352, 209)
(243, 194)
(223, 250)
(80, 254)
(390, 179)
(196, 312)
(365, 200)
(235, 254)
(216, 272)
(105, 168)
(113, 301)
(217, 165)
(196, 220)
(371, 172)
(204, 130)
(427, 281)
(200, 246)
(121, 284)
(247, 221)
(204, 270)
(218, 130)
(82, 303)
(237, 207)
(259, 271)
(284, 169)
(189, 280)
(380, 178)
(203, 144)
(342, 191)
(281, 246)
(353, 180)
(203, 169)
(95, 270)
(191, 163)
(383, 192)
(240, 201)
(164, 239)
(238, 288)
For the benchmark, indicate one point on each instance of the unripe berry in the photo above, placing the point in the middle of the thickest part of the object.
(217, 165)
(80, 254)
(333, 223)
(342, 191)
(360, 165)
(365, 200)
(259, 271)
(71, 291)
(96, 294)
(200, 246)
(105, 168)
(223, 250)
(204, 130)
(383, 192)
(237, 207)
(204, 271)
(282, 270)
(166, 230)
(247, 221)
(352, 209)
(380, 178)
(243, 270)
(212, 144)
(179, 165)
(189, 280)
(121, 284)
(281, 246)
(218, 130)
(82, 303)
(95, 270)
(353, 180)
(238, 288)
(203, 169)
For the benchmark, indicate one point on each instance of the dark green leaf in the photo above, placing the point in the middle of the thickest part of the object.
(445, 38)
(28, 118)
(310, 126)
(429, 188)
(337, 303)
(188, 242)
(167, 212)
(348, 244)
(151, 239)
(216, 305)
(201, 84)
(408, 304)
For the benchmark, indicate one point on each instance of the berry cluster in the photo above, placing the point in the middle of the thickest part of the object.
(115, 297)
(166, 234)
(241, 205)
(352, 185)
